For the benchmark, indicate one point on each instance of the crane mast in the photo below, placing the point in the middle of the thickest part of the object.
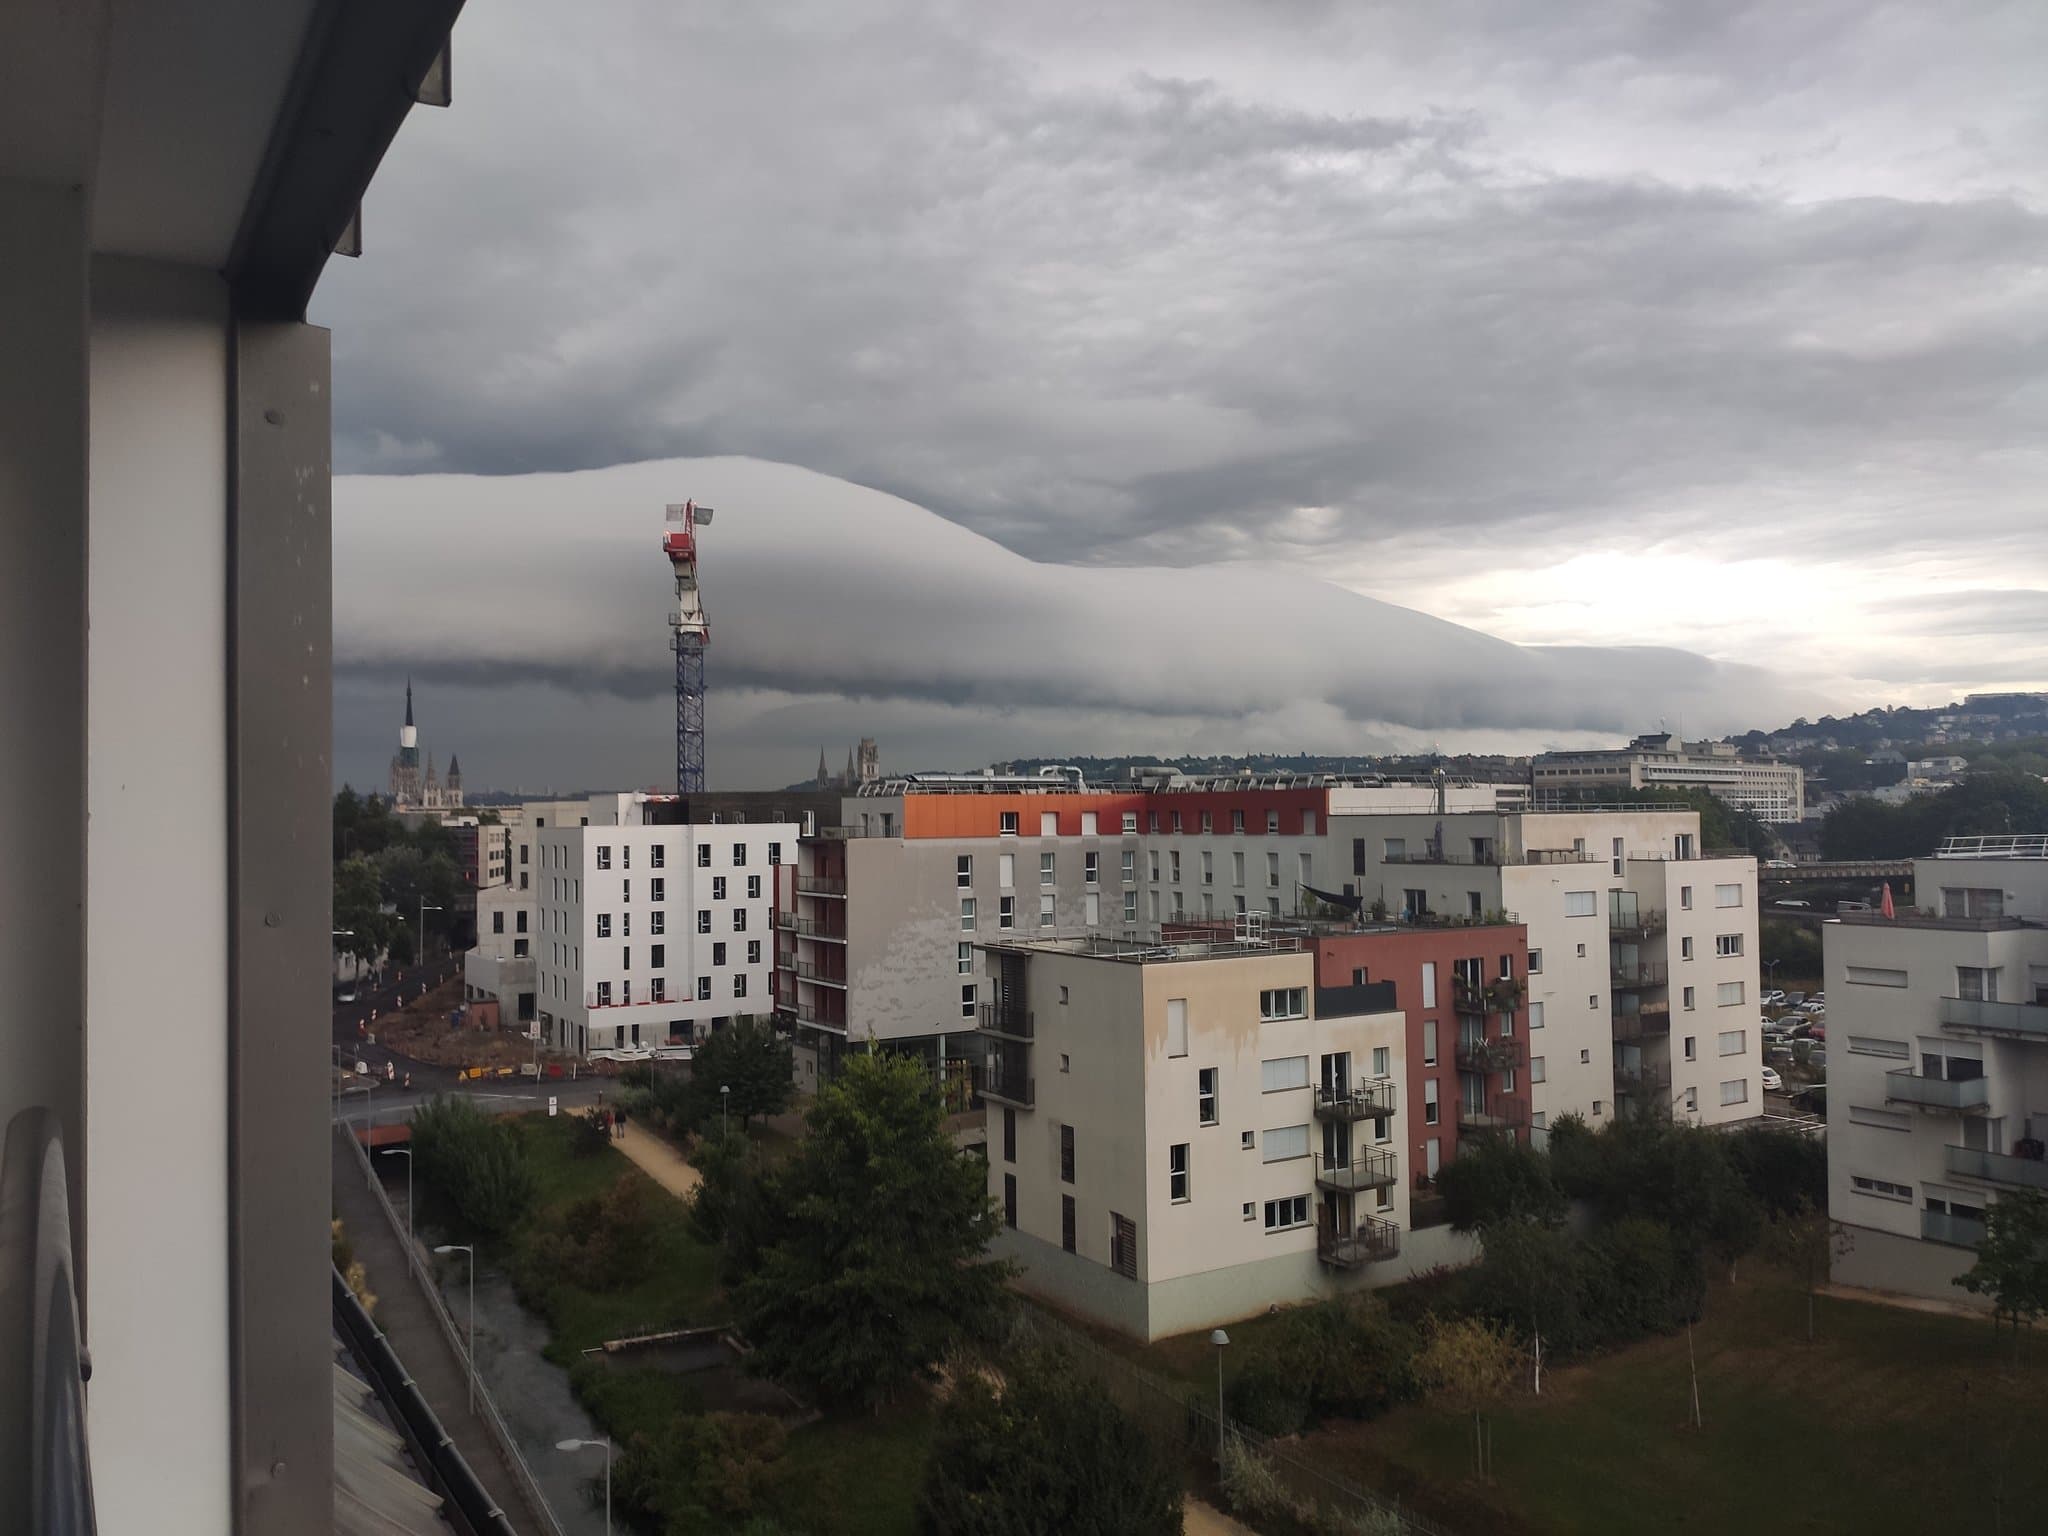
(690, 633)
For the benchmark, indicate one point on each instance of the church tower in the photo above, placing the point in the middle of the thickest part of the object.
(405, 766)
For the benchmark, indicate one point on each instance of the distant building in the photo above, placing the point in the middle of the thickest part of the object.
(863, 766)
(1937, 767)
(417, 788)
(1767, 789)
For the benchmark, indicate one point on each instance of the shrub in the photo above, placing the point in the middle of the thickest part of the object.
(1270, 1394)
(1467, 1359)
(701, 1473)
(1251, 1487)
(605, 1242)
(1495, 1179)
(1350, 1358)
(477, 1162)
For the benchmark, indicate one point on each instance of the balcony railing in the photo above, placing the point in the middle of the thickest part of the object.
(1497, 1114)
(1482, 1054)
(1651, 1081)
(810, 970)
(811, 1013)
(1493, 858)
(1006, 1089)
(1953, 1094)
(1010, 1019)
(1373, 1241)
(1998, 1167)
(1637, 978)
(809, 928)
(1359, 1101)
(1651, 1019)
(2026, 1020)
(1371, 1168)
(820, 885)
(1638, 925)
(1945, 1227)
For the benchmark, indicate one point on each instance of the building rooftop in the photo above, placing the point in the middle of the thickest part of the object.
(1139, 951)
(2022, 845)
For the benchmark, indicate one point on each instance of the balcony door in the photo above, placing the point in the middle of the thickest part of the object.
(1337, 1075)
(1336, 1144)
(1982, 1133)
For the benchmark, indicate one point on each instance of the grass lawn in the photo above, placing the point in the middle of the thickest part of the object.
(1891, 1421)
(856, 1477)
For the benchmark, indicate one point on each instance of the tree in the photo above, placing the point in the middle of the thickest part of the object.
(359, 916)
(1804, 1240)
(875, 1262)
(1041, 1450)
(2012, 1260)
(701, 1472)
(478, 1162)
(1529, 1278)
(747, 1057)
(1469, 1363)
(1494, 1179)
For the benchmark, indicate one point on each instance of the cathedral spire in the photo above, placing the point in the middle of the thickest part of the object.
(408, 701)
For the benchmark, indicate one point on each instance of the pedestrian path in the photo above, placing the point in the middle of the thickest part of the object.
(659, 1161)
(1200, 1519)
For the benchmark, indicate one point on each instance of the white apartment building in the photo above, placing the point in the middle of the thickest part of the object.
(1938, 1063)
(1185, 1135)
(1642, 947)
(649, 932)
(500, 966)
(1769, 790)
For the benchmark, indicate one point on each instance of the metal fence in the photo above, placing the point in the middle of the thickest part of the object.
(508, 1446)
(1184, 1416)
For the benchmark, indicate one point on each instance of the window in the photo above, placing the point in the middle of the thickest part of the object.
(1735, 1091)
(1246, 1140)
(1685, 898)
(1727, 895)
(657, 890)
(1285, 1143)
(1273, 870)
(1045, 912)
(497, 922)
(1283, 1073)
(1284, 1003)
(1091, 867)
(1869, 1045)
(1130, 821)
(703, 855)
(1177, 1026)
(519, 950)
(1007, 827)
(1873, 976)
(718, 887)
(1958, 901)
(1152, 863)
(1009, 1135)
(1273, 821)
(703, 989)
(967, 914)
(753, 888)
(1047, 872)
(1284, 1214)
(1728, 994)
(1251, 1209)
(1429, 1101)
(1066, 1154)
(1067, 1222)
(1177, 1173)
(1130, 866)
(1724, 944)
(1205, 1096)
(1692, 1048)
(1687, 997)
(1535, 962)
(963, 871)
(1382, 1060)
(1208, 822)
(1585, 1058)
(656, 856)
(1130, 906)
(1536, 1070)
(657, 922)
(1598, 1109)
(660, 992)
(1173, 859)
(1088, 824)
(718, 953)
(739, 919)
(604, 994)
(1006, 912)
(604, 925)
(967, 1000)
(1977, 984)
(1048, 823)
(1685, 947)
(1617, 855)
(964, 960)
(1208, 867)
(625, 890)
(1581, 903)
(1732, 1041)
(1066, 1062)
(1009, 1200)
(657, 954)
(1006, 870)
(774, 853)
(1429, 1042)
(753, 951)
(524, 849)
(739, 855)
(604, 856)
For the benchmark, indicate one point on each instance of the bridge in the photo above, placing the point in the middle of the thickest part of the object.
(1839, 869)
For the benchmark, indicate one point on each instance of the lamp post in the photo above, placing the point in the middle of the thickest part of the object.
(466, 1248)
(1771, 968)
(369, 1104)
(425, 908)
(577, 1445)
(406, 1153)
(1219, 1338)
(724, 1094)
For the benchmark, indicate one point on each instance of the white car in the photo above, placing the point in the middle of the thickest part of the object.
(1772, 1082)
(1814, 1006)
(1774, 999)
(1779, 864)
(1789, 901)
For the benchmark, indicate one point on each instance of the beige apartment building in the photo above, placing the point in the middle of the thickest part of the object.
(1766, 788)
(1184, 1135)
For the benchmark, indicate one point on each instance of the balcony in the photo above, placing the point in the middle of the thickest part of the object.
(1478, 1053)
(810, 970)
(1369, 1169)
(2024, 1021)
(1425, 1205)
(1498, 1114)
(1007, 1089)
(809, 928)
(1636, 925)
(1637, 978)
(1956, 1231)
(1998, 1168)
(1649, 1083)
(1360, 1101)
(1493, 858)
(1956, 1095)
(1012, 1020)
(820, 885)
(1651, 1019)
(811, 1013)
(1373, 1242)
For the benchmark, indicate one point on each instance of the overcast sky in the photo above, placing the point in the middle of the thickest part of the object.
(1718, 329)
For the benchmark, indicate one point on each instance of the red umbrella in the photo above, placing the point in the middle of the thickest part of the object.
(1886, 906)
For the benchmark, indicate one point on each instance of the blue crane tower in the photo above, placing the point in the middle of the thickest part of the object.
(691, 633)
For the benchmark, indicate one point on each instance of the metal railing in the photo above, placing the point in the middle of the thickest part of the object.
(1371, 1168)
(1489, 1053)
(1499, 1113)
(820, 885)
(2029, 1020)
(1012, 1019)
(1645, 925)
(501, 1433)
(1637, 978)
(1360, 1101)
(1372, 1241)
(1998, 1167)
(1903, 1085)
(810, 970)
(809, 928)
(1493, 858)
(2024, 845)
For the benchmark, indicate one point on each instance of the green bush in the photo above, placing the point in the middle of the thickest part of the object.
(1270, 1393)
(1252, 1488)
(478, 1163)
(1495, 1179)
(1349, 1358)
(702, 1473)
(605, 1242)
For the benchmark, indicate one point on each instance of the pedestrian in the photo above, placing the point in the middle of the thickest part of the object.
(408, 1080)
(621, 1119)
(604, 1118)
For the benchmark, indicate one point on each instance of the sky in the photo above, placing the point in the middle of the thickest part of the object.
(1284, 375)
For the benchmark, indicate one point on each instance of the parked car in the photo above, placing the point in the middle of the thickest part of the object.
(1791, 901)
(1774, 998)
(1780, 864)
(1817, 1030)
(1794, 999)
(1772, 1082)
(1817, 1058)
(1818, 997)
(1813, 1006)
(1852, 906)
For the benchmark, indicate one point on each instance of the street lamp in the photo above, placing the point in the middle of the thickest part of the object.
(465, 1248)
(577, 1445)
(406, 1153)
(425, 908)
(724, 1094)
(1219, 1338)
(369, 1104)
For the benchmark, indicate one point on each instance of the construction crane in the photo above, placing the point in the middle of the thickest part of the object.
(690, 634)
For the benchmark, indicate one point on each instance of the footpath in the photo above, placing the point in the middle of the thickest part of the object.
(659, 1161)
(403, 1316)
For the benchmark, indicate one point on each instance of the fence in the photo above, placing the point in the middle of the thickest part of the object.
(508, 1447)
(1185, 1416)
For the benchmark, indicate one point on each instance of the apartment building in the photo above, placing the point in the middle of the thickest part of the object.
(1938, 1063)
(1766, 788)
(1641, 969)
(1186, 1134)
(650, 929)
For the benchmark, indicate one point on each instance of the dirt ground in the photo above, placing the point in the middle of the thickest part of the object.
(422, 1031)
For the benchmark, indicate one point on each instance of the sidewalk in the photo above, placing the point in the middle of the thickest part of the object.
(1202, 1519)
(403, 1317)
(659, 1161)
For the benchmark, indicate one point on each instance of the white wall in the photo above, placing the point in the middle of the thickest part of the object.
(157, 909)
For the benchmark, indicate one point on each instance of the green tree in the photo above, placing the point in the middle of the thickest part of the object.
(1495, 1179)
(359, 916)
(747, 1057)
(477, 1162)
(1468, 1363)
(2012, 1260)
(700, 1473)
(407, 877)
(875, 1263)
(1805, 1241)
(1041, 1450)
